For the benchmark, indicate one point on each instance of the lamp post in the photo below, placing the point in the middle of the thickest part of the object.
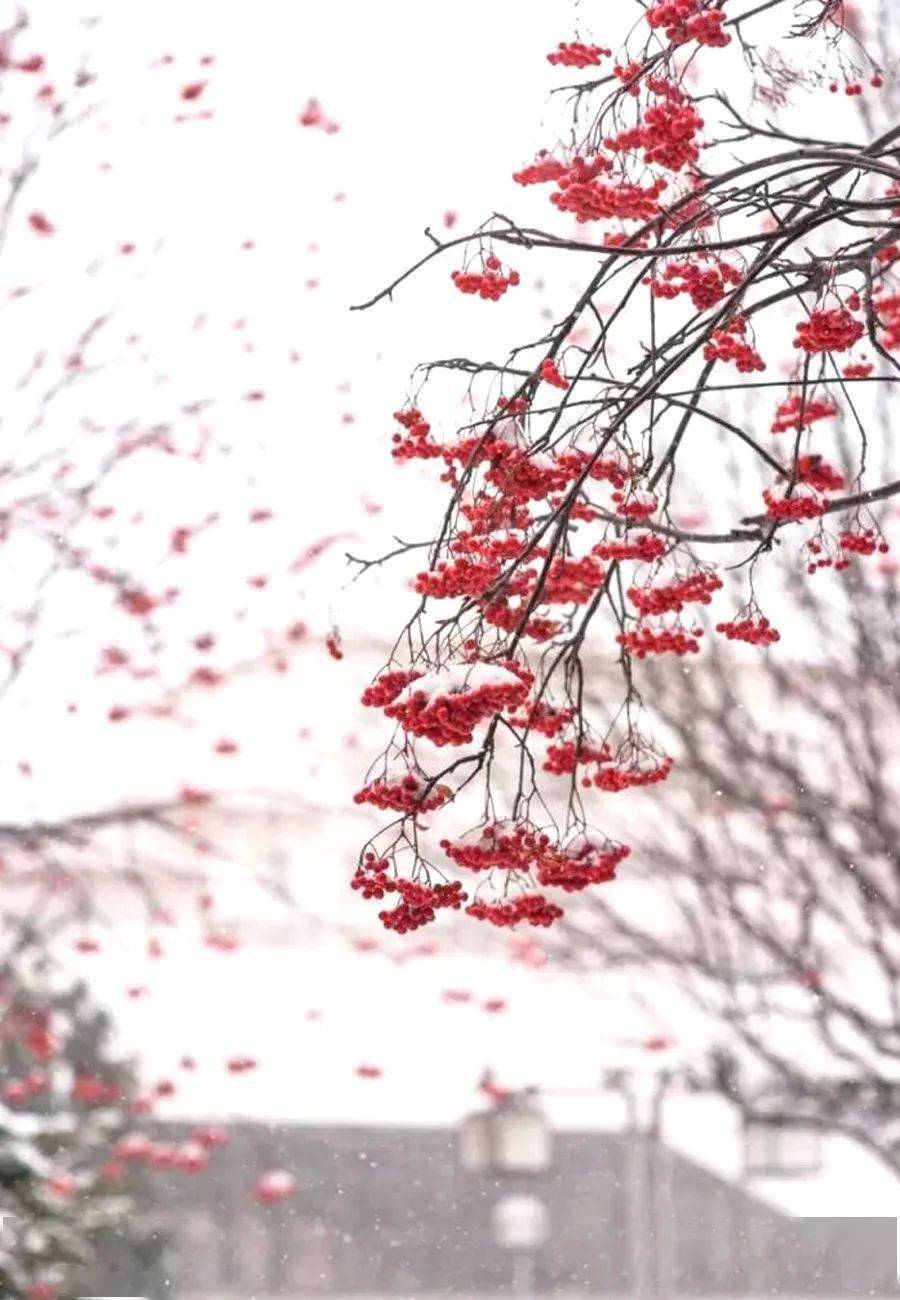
(776, 1147)
(649, 1190)
(510, 1141)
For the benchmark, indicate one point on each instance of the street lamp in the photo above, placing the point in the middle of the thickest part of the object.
(776, 1147)
(512, 1140)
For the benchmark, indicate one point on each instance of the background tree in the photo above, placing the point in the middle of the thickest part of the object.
(766, 883)
(69, 1206)
(143, 567)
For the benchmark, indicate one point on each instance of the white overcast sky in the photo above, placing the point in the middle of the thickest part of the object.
(437, 105)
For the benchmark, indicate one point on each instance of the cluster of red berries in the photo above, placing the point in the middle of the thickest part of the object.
(462, 577)
(642, 546)
(574, 54)
(571, 581)
(489, 546)
(637, 504)
(544, 718)
(829, 330)
(857, 369)
(489, 513)
(500, 613)
(865, 542)
(550, 374)
(667, 134)
(671, 597)
(541, 172)
(490, 284)
(387, 687)
(688, 20)
(478, 447)
(582, 864)
(632, 774)
(630, 76)
(610, 466)
(450, 718)
(407, 795)
(754, 628)
(522, 477)
(509, 846)
(17, 1091)
(416, 444)
(92, 1091)
(705, 280)
(706, 28)
(601, 200)
(819, 474)
(887, 306)
(190, 1157)
(805, 503)
(798, 412)
(730, 344)
(419, 904)
(533, 909)
(643, 641)
(563, 759)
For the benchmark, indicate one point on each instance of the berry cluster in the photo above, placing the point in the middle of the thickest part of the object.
(799, 411)
(409, 794)
(804, 503)
(667, 134)
(638, 769)
(574, 54)
(490, 284)
(449, 716)
(887, 307)
(752, 627)
(387, 687)
(523, 476)
(585, 862)
(533, 909)
(541, 172)
(551, 375)
(418, 902)
(829, 330)
(569, 581)
(92, 1091)
(637, 504)
(688, 20)
(730, 344)
(544, 718)
(564, 758)
(600, 200)
(419, 905)
(462, 577)
(642, 546)
(501, 613)
(416, 444)
(671, 597)
(857, 369)
(509, 846)
(864, 542)
(643, 641)
(705, 280)
(489, 546)
(819, 474)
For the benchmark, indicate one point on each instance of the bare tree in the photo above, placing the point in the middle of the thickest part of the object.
(772, 862)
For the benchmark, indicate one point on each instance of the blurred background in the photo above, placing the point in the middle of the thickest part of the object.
(220, 1076)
